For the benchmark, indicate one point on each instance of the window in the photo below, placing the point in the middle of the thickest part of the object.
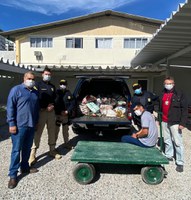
(104, 43)
(74, 42)
(41, 42)
(135, 43)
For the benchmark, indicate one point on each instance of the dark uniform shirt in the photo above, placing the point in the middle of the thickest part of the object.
(64, 101)
(147, 99)
(47, 93)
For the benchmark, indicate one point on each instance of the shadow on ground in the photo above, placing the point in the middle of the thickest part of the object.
(4, 132)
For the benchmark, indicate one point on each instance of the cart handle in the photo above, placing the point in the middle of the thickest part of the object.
(160, 127)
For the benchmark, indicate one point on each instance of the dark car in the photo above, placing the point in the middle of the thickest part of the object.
(113, 87)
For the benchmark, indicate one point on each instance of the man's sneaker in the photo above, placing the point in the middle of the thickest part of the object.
(179, 168)
(55, 154)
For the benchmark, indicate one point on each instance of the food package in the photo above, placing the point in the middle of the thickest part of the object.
(111, 113)
(93, 107)
(88, 98)
(120, 111)
(105, 108)
(121, 103)
(84, 109)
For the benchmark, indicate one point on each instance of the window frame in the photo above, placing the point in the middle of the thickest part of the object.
(104, 39)
(74, 42)
(41, 42)
(135, 44)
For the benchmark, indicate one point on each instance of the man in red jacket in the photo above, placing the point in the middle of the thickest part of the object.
(174, 116)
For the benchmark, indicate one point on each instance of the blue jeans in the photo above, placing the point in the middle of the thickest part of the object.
(173, 139)
(131, 140)
(21, 144)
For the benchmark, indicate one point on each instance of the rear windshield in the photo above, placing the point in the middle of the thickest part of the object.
(104, 88)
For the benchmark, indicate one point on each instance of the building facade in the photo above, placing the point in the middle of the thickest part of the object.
(105, 41)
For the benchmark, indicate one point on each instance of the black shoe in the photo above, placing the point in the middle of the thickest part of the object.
(179, 168)
(170, 159)
(12, 183)
(29, 171)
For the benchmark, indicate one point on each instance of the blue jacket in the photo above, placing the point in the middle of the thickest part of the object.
(22, 107)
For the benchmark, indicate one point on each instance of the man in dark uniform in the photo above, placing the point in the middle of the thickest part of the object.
(146, 98)
(47, 95)
(64, 106)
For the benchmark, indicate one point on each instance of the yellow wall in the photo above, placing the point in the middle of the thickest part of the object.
(114, 27)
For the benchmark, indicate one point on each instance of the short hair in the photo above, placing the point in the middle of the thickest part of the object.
(138, 105)
(46, 69)
(30, 72)
(169, 78)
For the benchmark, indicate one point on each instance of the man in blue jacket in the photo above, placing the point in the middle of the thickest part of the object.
(22, 116)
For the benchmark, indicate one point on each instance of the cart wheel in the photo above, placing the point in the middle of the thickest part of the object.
(84, 173)
(152, 175)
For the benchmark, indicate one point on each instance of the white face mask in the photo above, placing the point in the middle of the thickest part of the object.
(138, 112)
(29, 83)
(62, 87)
(169, 86)
(46, 77)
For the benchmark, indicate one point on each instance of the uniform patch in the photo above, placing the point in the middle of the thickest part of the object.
(69, 97)
(35, 88)
(149, 99)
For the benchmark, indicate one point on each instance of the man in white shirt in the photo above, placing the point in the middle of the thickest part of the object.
(147, 136)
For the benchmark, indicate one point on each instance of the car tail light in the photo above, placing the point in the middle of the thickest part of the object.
(129, 114)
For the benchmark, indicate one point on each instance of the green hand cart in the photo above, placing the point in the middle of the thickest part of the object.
(87, 153)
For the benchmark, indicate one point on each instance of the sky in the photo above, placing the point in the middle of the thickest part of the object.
(16, 14)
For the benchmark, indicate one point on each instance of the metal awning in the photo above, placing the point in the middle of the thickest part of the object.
(7, 67)
(171, 44)
(100, 69)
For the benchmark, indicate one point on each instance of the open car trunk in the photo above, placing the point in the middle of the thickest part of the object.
(104, 92)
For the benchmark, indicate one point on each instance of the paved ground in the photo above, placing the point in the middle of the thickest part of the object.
(55, 181)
